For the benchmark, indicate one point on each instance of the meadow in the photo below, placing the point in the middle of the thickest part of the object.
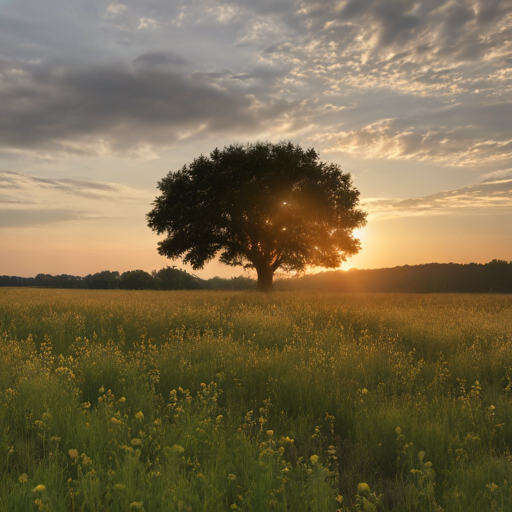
(217, 401)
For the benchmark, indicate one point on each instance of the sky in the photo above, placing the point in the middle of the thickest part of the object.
(99, 100)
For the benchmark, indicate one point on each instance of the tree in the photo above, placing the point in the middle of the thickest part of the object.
(105, 280)
(263, 206)
(136, 280)
(174, 279)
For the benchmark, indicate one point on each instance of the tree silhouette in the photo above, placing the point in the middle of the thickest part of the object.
(263, 206)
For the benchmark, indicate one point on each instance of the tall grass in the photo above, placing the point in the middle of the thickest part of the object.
(113, 400)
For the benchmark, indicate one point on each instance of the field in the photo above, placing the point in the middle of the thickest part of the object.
(217, 401)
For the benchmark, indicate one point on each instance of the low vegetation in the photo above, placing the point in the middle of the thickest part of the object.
(215, 401)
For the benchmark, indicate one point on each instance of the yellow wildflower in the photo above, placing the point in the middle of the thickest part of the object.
(314, 459)
(231, 477)
(23, 478)
(73, 453)
(363, 487)
(135, 441)
(139, 416)
(86, 460)
(39, 488)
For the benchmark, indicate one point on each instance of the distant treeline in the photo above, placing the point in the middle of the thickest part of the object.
(495, 276)
(165, 279)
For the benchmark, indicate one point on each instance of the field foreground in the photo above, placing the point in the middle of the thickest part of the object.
(216, 401)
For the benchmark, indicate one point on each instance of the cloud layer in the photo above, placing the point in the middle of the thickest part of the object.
(427, 80)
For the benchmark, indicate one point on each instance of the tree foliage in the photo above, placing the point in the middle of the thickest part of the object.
(263, 206)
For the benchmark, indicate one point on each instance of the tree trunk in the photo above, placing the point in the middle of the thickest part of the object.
(265, 277)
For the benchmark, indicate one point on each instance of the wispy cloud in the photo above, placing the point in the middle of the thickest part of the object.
(21, 183)
(22, 218)
(491, 195)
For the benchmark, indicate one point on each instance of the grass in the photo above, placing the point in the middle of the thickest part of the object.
(215, 401)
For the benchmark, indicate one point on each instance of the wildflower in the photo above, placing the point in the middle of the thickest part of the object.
(314, 459)
(178, 449)
(135, 441)
(231, 477)
(122, 400)
(270, 433)
(102, 389)
(137, 505)
(73, 453)
(139, 416)
(39, 488)
(23, 478)
(86, 460)
(339, 498)
(364, 391)
(119, 487)
(219, 418)
(56, 439)
(363, 487)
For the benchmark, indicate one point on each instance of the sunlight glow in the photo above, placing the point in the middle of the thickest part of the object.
(360, 233)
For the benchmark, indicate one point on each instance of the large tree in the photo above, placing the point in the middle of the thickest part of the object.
(263, 206)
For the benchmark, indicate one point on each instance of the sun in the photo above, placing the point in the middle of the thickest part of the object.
(360, 233)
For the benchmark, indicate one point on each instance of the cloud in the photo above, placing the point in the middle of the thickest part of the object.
(100, 109)
(458, 136)
(21, 184)
(492, 194)
(21, 218)
(134, 78)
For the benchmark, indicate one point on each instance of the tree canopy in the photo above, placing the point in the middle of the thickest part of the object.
(263, 206)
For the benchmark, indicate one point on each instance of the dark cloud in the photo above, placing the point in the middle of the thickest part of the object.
(158, 60)
(44, 105)
(489, 11)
